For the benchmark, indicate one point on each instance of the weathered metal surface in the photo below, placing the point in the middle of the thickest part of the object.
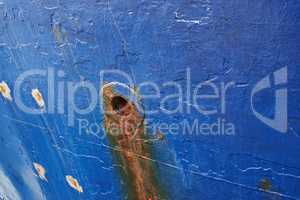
(58, 153)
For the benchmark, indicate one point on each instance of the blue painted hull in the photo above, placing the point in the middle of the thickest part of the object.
(212, 42)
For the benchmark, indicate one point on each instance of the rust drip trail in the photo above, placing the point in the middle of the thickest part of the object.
(126, 132)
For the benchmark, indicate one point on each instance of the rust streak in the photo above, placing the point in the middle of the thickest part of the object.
(126, 132)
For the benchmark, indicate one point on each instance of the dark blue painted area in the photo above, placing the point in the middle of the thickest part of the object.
(240, 41)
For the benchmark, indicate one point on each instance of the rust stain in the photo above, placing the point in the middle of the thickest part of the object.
(40, 171)
(126, 133)
(5, 91)
(38, 97)
(160, 136)
(265, 184)
(57, 33)
(73, 183)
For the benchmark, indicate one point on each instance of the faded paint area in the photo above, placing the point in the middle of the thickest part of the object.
(73, 183)
(124, 126)
(7, 189)
(40, 171)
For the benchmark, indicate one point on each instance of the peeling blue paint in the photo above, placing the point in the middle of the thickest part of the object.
(158, 40)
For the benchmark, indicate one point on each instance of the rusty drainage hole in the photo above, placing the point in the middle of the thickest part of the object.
(119, 104)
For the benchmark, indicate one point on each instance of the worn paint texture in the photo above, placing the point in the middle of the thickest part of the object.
(232, 44)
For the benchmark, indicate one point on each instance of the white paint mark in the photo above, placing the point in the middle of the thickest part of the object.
(201, 21)
(51, 8)
(189, 21)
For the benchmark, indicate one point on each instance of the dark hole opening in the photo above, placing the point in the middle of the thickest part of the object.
(118, 103)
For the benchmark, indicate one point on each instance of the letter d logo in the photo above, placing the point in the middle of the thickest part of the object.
(279, 122)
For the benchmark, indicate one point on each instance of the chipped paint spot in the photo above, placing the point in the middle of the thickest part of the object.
(160, 135)
(73, 183)
(205, 19)
(5, 91)
(40, 170)
(38, 97)
(59, 34)
(265, 184)
(137, 91)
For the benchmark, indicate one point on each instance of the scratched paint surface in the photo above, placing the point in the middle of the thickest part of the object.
(240, 41)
